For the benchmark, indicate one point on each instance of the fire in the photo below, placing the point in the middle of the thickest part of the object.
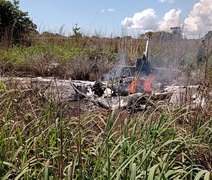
(147, 84)
(132, 87)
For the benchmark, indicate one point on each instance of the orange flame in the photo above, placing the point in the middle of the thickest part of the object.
(147, 84)
(132, 87)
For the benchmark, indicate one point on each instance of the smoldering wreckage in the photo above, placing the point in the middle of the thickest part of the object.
(129, 87)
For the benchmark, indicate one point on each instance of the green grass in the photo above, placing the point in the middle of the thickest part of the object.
(43, 140)
(91, 57)
(40, 139)
(38, 59)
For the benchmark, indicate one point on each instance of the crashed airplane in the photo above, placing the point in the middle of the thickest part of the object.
(134, 87)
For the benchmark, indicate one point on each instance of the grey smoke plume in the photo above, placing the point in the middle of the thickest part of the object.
(117, 70)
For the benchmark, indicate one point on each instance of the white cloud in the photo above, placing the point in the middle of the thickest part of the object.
(199, 19)
(145, 20)
(170, 19)
(166, 1)
(110, 10)
(198, 22)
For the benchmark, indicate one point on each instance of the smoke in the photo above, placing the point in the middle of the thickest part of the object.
(117, 71)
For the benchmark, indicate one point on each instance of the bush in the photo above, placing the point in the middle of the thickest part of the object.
(15, 25)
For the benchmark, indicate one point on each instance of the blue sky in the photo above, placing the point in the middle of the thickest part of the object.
(110, 17)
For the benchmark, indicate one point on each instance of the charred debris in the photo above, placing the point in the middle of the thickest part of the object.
(126, 80)
(134, 87)
(140, 86)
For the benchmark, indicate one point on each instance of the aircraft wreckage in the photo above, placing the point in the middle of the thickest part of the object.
(127, 87)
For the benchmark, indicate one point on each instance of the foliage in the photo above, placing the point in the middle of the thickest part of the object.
(41, 140)
(76, 31)
(96, 53)
(162, 36)
(14, 23)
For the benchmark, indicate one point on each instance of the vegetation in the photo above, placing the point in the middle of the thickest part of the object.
(45, 140)
(24, 53)
(15, 25)
(42, 139)
(102, 53)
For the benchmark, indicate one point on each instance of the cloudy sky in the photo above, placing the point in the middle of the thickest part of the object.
(121, 17)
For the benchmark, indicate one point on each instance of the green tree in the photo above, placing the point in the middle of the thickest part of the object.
(76, 31)
(15, 25)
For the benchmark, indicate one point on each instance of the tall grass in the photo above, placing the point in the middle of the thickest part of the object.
(91, 53)
(45, 140)
(41, 139)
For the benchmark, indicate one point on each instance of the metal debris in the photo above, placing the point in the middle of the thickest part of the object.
(110, 95)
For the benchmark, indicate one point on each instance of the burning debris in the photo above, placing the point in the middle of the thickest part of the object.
(135, 87)
(125, 93)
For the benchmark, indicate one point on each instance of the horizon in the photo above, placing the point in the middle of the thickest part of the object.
(120, 17)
